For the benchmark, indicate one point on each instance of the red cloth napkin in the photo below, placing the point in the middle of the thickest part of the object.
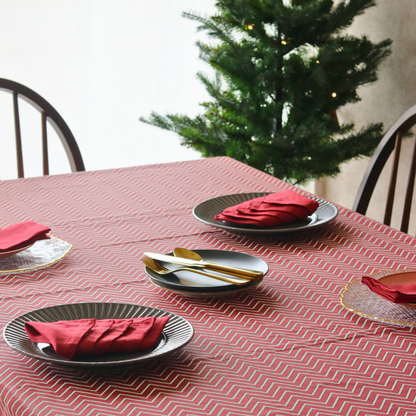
(394, 293)
(92, 336)
(270, 210)
(21, 235)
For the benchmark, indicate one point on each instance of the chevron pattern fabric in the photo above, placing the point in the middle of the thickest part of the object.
(286, 347)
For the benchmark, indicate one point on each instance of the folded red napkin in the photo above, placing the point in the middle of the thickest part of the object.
(394, 293)
(270, 210)
(21, 235)
(92, 336)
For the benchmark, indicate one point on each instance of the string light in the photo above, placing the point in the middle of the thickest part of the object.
(249, 27)
(334, 94)
(317, 62)
(284, 42)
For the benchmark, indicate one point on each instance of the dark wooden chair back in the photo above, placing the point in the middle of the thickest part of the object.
(48, 114)
(392, 141)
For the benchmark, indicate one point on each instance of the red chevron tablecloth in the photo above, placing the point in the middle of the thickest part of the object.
(286, 347)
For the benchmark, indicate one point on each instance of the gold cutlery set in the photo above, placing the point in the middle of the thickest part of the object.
(193, 262)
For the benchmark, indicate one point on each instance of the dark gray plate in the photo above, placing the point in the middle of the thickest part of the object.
(195, 283)
(177, 333)
(207, 210)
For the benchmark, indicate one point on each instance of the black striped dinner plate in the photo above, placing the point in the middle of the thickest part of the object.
(207, 210)
(177, 333)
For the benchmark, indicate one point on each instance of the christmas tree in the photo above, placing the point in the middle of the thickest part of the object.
(283, 68)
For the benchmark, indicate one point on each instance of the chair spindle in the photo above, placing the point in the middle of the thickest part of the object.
(409, 194)
(45, 145)
(19, 153)
(393, 179)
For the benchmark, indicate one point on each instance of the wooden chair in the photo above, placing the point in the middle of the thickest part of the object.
(48, 114)
(392, 141)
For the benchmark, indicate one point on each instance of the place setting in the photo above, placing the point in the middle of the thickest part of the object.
(28, 246)
(97, 335)
(387, 296)
(204, 272)
(265, 214)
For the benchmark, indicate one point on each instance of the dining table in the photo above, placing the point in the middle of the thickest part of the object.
(286, 346)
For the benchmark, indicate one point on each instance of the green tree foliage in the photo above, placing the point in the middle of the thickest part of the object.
(282, 69)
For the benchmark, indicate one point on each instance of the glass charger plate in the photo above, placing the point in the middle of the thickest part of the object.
(192, 283)
(359, 299)
(176, 334)
(9, 253)
(207, 210)
(42, 253)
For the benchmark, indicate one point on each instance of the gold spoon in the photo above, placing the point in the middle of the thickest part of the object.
(234, 271)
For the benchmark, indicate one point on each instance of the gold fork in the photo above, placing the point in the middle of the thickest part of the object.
(159, 269)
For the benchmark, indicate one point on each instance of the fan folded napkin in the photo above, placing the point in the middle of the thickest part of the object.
(21, 235)
(92, 336)
(394, 293)
(270, 210)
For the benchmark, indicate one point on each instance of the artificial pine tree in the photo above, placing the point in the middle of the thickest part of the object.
(283, 68)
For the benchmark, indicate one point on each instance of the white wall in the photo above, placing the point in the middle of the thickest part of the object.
(102, 64)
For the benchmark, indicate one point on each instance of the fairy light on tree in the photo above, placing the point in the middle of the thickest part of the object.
(283, 69)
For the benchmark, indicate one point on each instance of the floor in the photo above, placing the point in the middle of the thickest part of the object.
(102, 64)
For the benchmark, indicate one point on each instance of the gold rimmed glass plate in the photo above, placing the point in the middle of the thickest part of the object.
(176, 334)
(207, 210)
(42, 253)
(359, 299)
(9, 253)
